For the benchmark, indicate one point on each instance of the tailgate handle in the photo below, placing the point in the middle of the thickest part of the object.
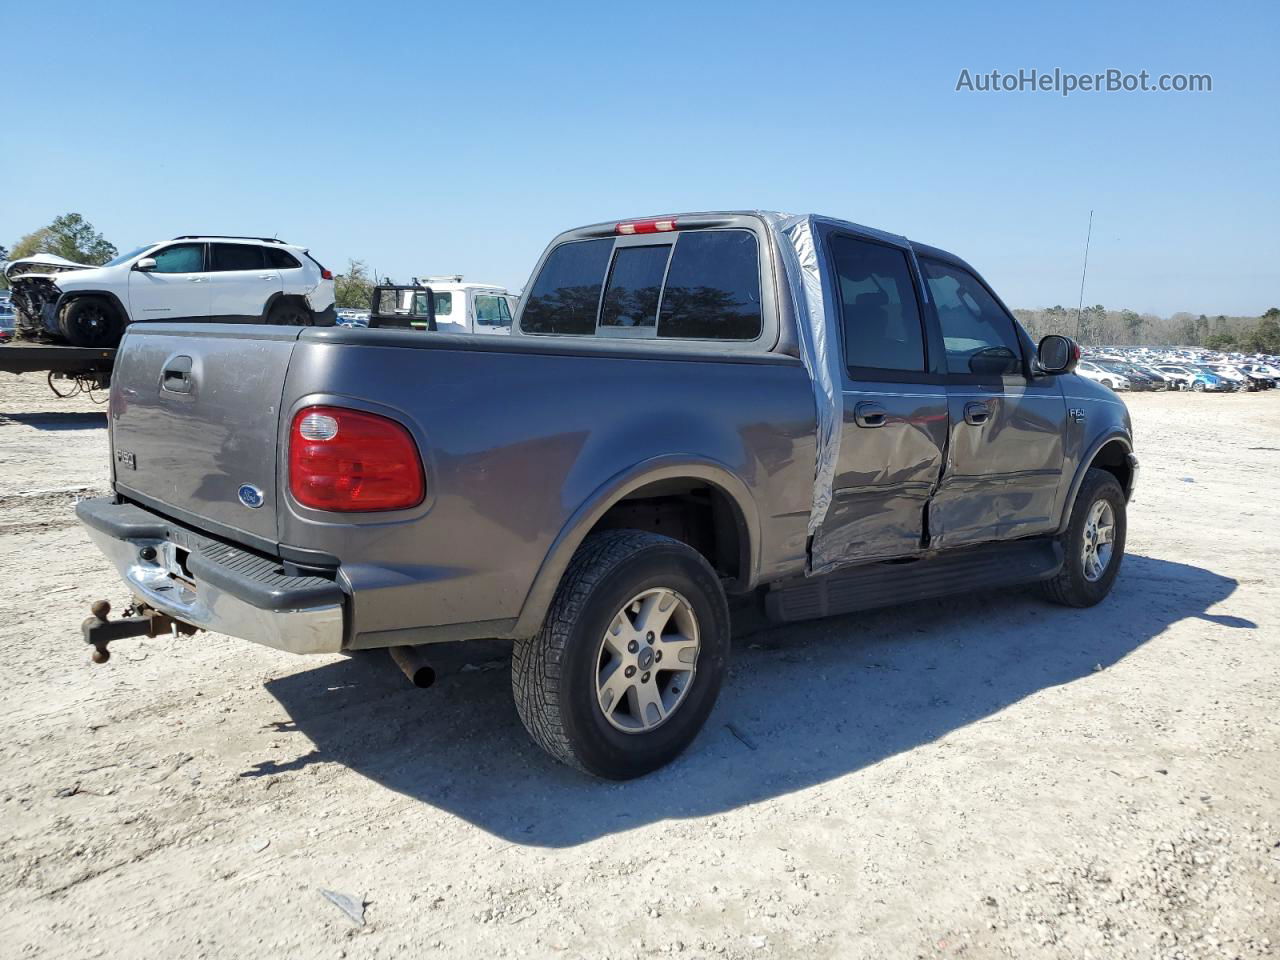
(176, 377)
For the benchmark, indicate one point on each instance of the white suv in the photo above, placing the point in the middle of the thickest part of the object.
(216, 279)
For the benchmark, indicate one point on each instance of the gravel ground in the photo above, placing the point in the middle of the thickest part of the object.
(983, 777)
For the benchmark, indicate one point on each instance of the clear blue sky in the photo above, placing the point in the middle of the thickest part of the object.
(460, 137)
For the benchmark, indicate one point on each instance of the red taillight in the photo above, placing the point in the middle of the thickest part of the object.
(660, 225)
(326, 274)
(347, 460)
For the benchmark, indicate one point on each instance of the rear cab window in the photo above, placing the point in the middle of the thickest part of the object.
(694, 284)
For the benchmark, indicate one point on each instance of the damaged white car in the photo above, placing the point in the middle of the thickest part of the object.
(213, 279)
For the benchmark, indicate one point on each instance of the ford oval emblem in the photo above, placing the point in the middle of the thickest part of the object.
(250, 495)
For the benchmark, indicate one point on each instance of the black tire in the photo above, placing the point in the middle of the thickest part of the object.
(1071, 587)
(91, 322)
(1197, 387)
(290, 313)
(553, 675)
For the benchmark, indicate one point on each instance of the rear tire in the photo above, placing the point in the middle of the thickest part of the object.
(290, 313)
(91, 322)
(1081, 583)
(563, 677)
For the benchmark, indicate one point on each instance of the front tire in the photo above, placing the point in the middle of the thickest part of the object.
(630, 658)
(91, 322)
(1094, 543)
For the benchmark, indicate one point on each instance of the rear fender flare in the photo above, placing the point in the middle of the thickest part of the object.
(616, 489)
(281, 295)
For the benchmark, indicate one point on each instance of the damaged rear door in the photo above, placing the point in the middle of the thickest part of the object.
(894, 429)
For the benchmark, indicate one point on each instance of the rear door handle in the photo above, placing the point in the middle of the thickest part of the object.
(976, 413)
(265, 276)
(870, 415)
(196, 279)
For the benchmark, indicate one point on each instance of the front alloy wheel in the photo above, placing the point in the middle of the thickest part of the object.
(1099, 539)
(1093, 544)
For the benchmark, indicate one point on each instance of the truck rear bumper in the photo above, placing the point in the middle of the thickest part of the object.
(213, 585)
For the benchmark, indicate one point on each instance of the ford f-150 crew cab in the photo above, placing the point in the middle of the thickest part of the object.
(806, 415)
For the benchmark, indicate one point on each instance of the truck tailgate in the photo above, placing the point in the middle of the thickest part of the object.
(194, 420)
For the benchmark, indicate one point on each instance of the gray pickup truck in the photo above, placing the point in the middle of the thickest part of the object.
(803, 415)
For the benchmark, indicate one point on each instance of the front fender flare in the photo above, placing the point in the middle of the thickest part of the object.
(1085, 463)
(618, 488)
(68, 296)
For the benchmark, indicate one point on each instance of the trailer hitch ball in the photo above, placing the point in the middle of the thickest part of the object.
(101, 609)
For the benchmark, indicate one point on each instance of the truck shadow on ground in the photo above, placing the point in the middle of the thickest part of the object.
(804, 704)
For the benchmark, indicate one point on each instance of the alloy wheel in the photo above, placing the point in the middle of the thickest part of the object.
(646, 660)
(1099, 536)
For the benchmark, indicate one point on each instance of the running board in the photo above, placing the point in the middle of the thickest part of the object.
(885, 584)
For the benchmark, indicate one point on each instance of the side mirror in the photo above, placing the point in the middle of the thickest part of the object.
(1058, 354)
(146, 264)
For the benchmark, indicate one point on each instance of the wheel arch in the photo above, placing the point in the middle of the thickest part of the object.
(279, 297)
(71, 296)
(1112, 452)
(660, 475)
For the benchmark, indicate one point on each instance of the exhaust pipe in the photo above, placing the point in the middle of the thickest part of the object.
(415, 666)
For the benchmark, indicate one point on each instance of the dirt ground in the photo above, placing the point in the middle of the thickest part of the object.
(984, 777)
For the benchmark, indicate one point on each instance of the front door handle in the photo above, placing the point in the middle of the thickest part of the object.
(196, 279)
(976, 413)
(870, 415)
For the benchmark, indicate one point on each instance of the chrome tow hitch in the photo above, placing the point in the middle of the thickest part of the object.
(139, 620)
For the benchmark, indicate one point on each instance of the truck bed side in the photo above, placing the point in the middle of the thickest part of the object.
(525, 446)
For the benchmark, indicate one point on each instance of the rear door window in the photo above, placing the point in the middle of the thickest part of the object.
(713, 287)
(566, 295)
(879, 311)
(630, 305)
(236, 256)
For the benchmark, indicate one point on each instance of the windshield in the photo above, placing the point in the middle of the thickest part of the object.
(128, 256)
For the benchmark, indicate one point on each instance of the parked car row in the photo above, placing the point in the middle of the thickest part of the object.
(1200, 371)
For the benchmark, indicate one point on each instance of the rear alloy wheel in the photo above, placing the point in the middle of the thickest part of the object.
(290, 313)
(1198, 386)
(1093, 546)
(629, 661)
(646, 660)
(91, 322)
